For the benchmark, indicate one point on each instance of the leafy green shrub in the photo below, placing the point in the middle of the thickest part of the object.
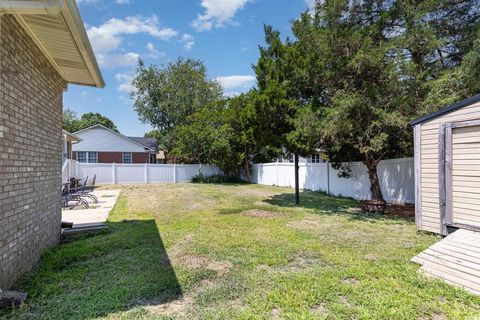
(216, 178)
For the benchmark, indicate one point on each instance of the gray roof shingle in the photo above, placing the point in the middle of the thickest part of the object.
(147, 142)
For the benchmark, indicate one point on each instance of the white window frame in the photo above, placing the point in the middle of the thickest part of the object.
(85, 158)
(125, 154)
(88, 154)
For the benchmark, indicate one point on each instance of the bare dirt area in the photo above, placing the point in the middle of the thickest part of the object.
(400, 210)
(261, 214)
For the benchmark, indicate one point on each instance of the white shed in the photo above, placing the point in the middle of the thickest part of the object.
(447, 168)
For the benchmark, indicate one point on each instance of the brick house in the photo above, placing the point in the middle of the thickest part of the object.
(103, 145)
(43, 48)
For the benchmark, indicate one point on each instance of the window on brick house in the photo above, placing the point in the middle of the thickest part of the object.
(87, 157)
(127, 157)
(82, 156)
(92, 157)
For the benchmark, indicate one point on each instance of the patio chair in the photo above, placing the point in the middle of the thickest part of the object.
(68, 198)
(86, 189)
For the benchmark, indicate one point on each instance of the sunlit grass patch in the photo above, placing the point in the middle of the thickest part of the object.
(184, 251)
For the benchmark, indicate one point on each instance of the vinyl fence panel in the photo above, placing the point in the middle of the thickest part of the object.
(130, 173)
(161, 173)
(102, 171)
(112, 173)
(396, 177)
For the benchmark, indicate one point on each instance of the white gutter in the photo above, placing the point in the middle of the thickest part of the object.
(31, 7)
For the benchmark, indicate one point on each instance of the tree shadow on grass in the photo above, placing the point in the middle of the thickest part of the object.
(322, 203)
(97, 275)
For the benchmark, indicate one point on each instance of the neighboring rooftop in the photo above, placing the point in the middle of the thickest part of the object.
(147, 142)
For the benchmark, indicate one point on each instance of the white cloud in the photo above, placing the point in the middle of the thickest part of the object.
(107, 38)
(217, 13)
(111, 61)
(125, 82)
(188, 41)
(236, 82)
(122, 1)
(153, 52)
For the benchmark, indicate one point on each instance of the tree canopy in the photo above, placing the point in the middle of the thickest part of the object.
(348, 82)
(72, 123)
(166, 96)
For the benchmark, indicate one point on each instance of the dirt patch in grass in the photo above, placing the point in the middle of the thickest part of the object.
(319, 309)
(400, 210)
(352, 281)
(371, 257)
(192, 261)
(344, 300)
(179, 255)
(274, 314)
(305, 224)
(180, 306)
(303, 261)
(435, 316)
(261, 214)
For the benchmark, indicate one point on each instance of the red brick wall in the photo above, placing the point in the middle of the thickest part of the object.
(110, 157)
(140, 157)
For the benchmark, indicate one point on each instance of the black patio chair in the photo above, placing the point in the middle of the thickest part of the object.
(86, 189)
(68, 198)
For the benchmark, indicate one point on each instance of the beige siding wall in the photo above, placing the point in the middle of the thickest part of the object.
(30, 152)
(466, 175)
(429, 184)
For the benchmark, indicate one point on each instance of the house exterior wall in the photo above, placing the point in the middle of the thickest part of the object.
(103, 140)
(31, 140)
(111, 157)
(140, 157)
(427, 150)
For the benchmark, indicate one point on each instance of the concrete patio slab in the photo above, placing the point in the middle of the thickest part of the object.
(97, 214)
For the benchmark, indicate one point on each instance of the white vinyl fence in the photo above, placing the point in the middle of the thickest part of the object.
(396, 177)
(114, 173)
(69, 169)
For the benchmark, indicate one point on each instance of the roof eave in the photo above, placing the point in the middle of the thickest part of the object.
(445, 110)
(72, 136)
(70, 13)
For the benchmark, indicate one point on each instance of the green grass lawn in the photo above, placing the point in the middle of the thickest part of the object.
(240, 252)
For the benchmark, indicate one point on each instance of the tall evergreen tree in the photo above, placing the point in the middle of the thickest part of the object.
(359, 70)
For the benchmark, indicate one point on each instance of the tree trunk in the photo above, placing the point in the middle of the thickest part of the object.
(247, 167)
(375, 188)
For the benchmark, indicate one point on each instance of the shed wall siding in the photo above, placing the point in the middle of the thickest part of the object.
(99, 139)
(31, 93)
(429, 176)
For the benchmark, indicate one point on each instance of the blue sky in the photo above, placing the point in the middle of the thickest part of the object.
(225, 34)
